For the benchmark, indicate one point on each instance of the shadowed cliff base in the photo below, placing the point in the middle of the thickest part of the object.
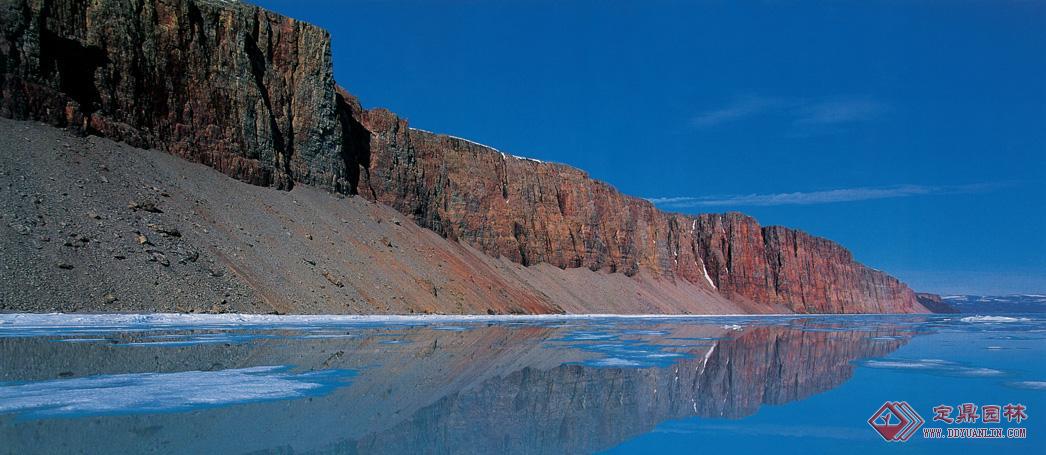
(251, 94)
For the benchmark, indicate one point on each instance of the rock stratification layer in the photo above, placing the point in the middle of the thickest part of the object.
(251, 94)
(532, 212)
(241, 89)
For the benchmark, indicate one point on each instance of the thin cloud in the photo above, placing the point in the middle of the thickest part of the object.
(819, 197)
(738, 109)
(838, 111)
(797, 112)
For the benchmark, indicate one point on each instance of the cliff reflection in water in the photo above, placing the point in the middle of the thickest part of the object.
(566, 386)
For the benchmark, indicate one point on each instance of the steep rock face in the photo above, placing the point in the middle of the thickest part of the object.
(251, 94)
(231, 85)
(531, 211)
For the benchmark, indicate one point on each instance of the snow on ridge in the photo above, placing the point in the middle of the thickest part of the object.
(472, 142)
(527, 159)
(503, 154)
(456, 137)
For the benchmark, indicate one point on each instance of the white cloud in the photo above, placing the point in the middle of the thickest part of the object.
(818, 197)
(740, 108)
(831, 112)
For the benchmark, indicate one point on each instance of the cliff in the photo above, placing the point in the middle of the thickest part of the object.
(533, 212)
(241, 89)
(251, 94)
(934, 303)
(92, 225)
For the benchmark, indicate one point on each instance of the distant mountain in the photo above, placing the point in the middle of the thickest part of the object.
(1018, 303)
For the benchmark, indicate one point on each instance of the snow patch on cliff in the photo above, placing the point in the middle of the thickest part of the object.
(704, 270)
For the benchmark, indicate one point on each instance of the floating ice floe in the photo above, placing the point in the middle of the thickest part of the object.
(992, 319)
(611, 362)
(164, 392)
(932, 366)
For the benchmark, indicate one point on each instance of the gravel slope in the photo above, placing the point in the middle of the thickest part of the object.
(90, 225)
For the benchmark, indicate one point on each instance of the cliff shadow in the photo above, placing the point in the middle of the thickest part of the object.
(73, 65)
(355, 148)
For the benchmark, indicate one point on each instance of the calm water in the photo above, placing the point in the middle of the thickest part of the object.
(184, 384)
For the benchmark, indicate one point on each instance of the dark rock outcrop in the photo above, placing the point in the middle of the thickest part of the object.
(934, 303)
(251, 94)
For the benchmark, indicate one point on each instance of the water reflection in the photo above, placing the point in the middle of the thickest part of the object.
(480, 387)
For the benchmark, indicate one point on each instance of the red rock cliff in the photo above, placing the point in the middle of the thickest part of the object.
(251, 94)
(532, 211)
(236, 87)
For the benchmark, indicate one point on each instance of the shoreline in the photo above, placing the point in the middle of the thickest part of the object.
(119, 319)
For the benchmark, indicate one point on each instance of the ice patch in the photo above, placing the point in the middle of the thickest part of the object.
(972, 319)
(645, 332)
(922, 364)
(164, 392)
(663, 355)
(933, 366)
(613, 362)
(184, 340)
(614, 351)
(82, 340)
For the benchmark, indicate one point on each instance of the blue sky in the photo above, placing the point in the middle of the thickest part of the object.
(911, 131)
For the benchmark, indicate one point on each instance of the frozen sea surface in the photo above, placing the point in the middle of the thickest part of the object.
(171, 383)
